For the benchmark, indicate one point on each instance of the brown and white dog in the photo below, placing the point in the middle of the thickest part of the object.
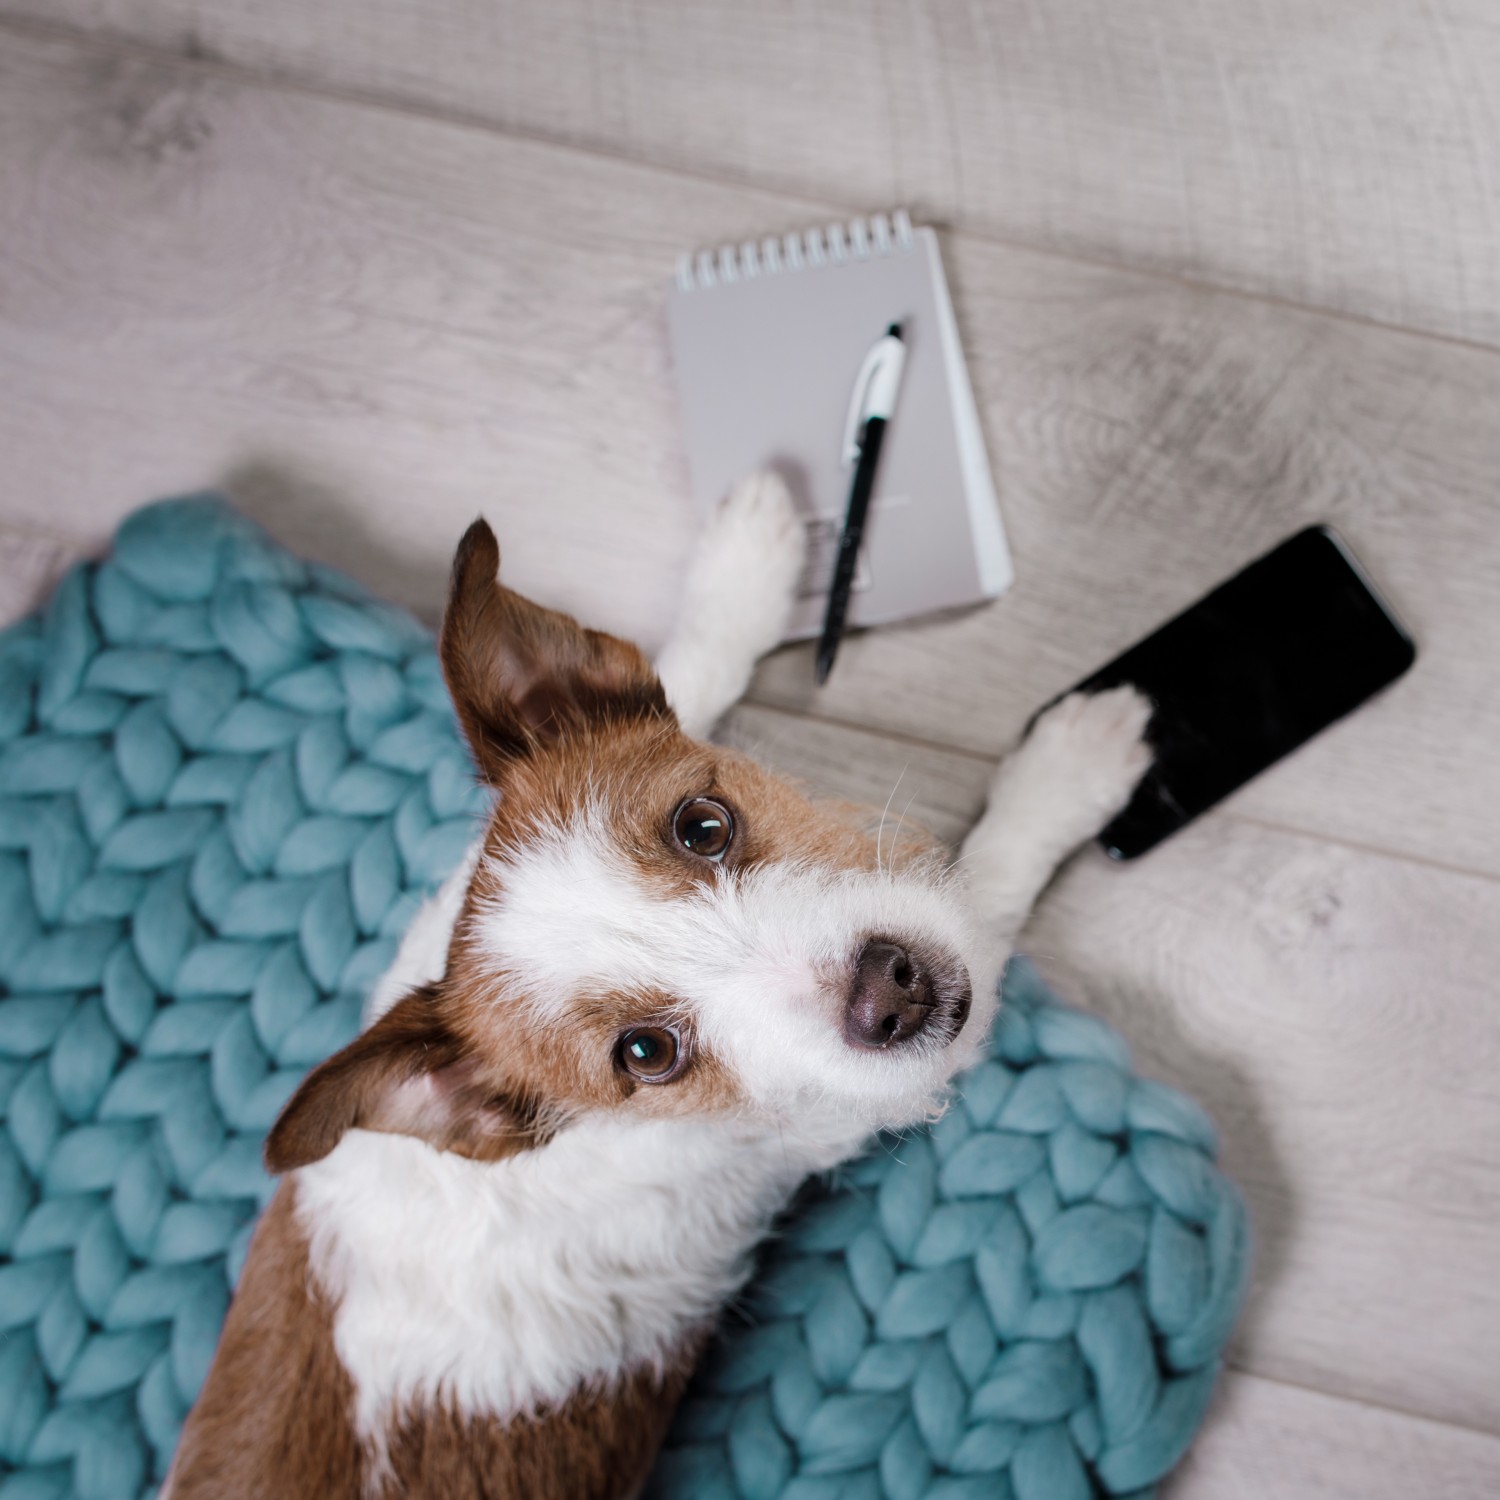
(664, 988)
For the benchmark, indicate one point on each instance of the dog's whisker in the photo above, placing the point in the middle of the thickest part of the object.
(881, 830)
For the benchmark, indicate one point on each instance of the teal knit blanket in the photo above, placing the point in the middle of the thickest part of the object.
(227, 777)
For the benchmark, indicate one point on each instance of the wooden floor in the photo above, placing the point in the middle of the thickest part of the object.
(1220, 270)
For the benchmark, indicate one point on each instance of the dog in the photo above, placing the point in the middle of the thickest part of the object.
(664, 988)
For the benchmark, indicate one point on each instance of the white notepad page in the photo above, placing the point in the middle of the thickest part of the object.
(767, 340)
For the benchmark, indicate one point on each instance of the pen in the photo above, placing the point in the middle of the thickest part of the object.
(870, 410)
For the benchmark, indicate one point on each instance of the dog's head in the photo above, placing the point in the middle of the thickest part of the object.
(655, 926)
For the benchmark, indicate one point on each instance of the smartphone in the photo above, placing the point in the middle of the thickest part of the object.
(1256, 668)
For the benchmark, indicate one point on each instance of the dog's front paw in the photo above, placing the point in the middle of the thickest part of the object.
(1091, 748)
(749, 559)
(736, 602)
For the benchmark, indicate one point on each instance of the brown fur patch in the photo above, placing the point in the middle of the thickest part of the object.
(596, 1446)
(273, 1419)
(522, 675)
(409, 1074)
(643, 771)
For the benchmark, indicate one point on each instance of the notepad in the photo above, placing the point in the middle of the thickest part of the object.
(767, 340)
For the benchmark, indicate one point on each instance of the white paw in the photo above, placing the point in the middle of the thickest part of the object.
(749, 559)
(1091, 749)
(737, 599)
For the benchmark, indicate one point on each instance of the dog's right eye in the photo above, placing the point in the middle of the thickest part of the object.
(650, 1053)
(704, 827)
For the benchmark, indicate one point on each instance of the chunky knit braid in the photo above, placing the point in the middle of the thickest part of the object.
(226, 777)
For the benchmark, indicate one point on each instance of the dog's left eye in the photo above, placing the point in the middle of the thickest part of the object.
(650, 1053)
(704, 827)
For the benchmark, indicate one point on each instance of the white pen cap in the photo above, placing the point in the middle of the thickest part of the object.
(875, 388)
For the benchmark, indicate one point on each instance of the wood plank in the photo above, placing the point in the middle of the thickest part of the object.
(1343, 153)
(1263, 1439)
(360, 325)
(371, 326)
(1334, 1010)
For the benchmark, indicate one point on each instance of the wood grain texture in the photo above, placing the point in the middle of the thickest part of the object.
(364, 328)
(1266, 1441)
(1344, 153)
(1335, 1011)
(371, 327)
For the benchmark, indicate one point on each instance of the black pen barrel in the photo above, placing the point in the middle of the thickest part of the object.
(849, 544)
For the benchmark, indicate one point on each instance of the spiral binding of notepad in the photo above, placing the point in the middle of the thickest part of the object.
(833, 245)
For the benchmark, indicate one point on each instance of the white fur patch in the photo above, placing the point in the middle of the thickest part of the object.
(505, 1286)
(762, 958)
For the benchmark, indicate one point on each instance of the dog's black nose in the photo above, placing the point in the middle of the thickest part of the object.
(892, 996)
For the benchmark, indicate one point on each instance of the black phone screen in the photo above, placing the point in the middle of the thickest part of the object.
(1280, 651)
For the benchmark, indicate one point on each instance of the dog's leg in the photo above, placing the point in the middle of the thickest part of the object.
(736, 602)
(1066, 780)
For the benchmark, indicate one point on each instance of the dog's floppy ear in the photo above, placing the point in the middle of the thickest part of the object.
(521, 674)
(407, 1075)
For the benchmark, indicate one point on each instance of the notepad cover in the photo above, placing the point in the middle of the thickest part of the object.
(767, 342)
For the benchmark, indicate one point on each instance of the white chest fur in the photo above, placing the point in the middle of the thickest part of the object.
(504, 1286)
